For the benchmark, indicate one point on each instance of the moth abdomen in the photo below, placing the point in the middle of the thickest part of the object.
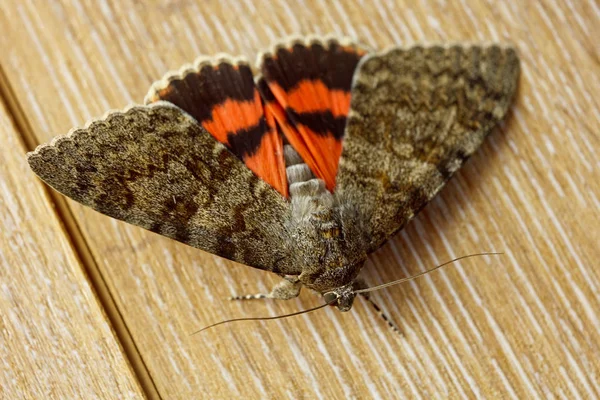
(298, 173)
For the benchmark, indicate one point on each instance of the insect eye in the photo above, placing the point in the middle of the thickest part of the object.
(330, 297)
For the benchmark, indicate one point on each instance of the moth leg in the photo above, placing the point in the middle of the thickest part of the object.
(288, 288)
(361, 284)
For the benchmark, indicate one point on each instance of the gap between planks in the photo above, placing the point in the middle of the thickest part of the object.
(80, 247)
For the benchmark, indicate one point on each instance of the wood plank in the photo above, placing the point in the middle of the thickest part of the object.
(55, 340)
(524, 325)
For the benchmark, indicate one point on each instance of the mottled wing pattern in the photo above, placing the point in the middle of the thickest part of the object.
(306, 84)
(416, 115)
(219, 92)
(156, 167)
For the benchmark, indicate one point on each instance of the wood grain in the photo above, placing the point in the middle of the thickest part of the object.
(524, 325)
(55, 340)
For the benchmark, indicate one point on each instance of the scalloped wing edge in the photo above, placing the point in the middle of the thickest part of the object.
(192, 68)
(308, 40)
(100, 120)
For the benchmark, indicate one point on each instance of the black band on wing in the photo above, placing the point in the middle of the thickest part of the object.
(246, 142)
(212, 86)
(265, 91)
(333, 65)
(322, 123)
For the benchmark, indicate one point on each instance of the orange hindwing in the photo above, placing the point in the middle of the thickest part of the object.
(221, 95)
(306, 84)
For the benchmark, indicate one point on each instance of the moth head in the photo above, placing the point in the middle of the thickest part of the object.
(332, 278)
(341, 297)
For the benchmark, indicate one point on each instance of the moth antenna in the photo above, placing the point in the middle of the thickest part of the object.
(266, 318)
(381, 313)
(410, 278)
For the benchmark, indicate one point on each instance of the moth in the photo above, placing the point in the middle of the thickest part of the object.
(302, 169)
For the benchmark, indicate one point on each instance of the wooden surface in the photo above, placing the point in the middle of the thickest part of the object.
(54, 336)
(525, 325)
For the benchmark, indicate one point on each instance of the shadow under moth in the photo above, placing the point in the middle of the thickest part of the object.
(302, 169)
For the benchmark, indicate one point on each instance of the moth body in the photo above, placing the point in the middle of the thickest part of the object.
(327, 244)
(301, 170)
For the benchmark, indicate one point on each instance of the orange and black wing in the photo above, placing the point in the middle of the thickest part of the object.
(221, 95)
(306, 85)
